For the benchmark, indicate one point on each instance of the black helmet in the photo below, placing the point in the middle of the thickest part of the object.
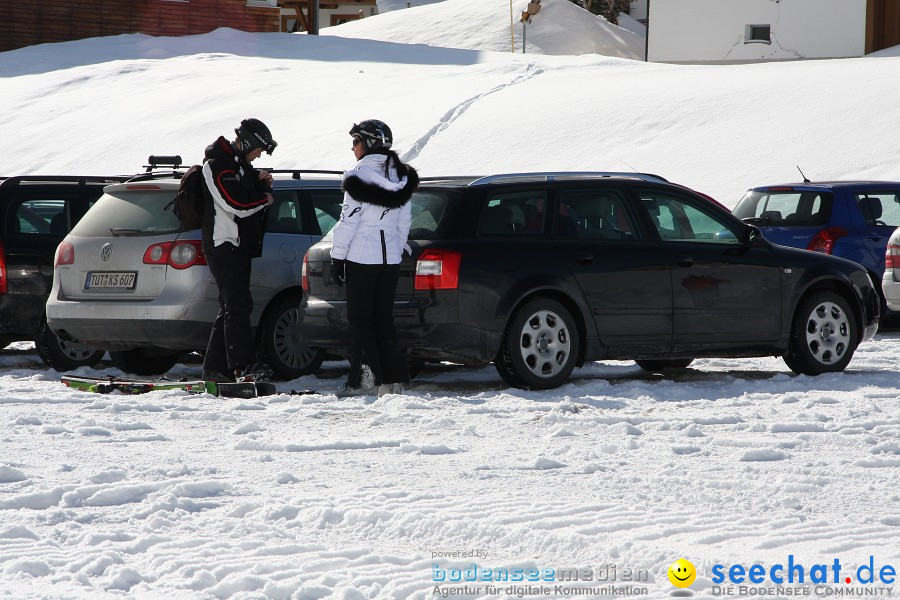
(253, 134)
(374, 134)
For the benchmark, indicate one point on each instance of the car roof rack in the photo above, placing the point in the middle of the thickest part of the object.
(155, 175)
(297, 173)
(554, 175)
(451, 178)
(79, 179)
(156, 160)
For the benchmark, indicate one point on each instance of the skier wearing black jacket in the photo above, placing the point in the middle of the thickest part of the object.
(236, 198)
(368, 244)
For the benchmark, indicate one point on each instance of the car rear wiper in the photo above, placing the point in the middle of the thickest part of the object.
(117, 231)
(757, 220)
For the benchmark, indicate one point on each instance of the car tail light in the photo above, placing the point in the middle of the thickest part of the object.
(304, 272)
(438, 270)
(825, 239)
(4, 276)
(892, 256)
(179, 255)
(65, 254)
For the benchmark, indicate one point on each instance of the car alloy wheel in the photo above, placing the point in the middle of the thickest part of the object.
(828, 333)
(824, 335)
(540, 346)
(545, 343)
(281, 343)
(61, 355)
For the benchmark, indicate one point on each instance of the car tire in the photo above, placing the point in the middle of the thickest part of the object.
(62, 355)
(281, 343)
(539, 348)
(823, 335)
(656, 365)
(145, 361)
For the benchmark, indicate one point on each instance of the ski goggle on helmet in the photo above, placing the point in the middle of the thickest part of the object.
(254, 134)
(373, 133)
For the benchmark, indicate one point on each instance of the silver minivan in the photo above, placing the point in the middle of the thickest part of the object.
(128, 280)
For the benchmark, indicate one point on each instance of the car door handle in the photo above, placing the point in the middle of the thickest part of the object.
(684, 261)
(584, 259)
(876, 238)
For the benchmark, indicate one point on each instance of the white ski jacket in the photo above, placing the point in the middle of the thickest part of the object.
(376, 213)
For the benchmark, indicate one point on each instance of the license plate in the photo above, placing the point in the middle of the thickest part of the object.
(110, 280)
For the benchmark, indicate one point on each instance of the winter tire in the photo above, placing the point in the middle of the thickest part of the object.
(145, 361)
(281, 341)
(539, 347)
(62, 355)
(659, 365)
(823, 335)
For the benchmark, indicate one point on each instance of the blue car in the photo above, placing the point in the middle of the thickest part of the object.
(850, 219)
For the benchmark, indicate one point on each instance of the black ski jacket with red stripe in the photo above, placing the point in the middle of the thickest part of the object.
(235, 200)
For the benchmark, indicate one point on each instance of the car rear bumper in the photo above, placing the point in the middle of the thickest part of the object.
(425, 330)
(891, 290)
(119, 326)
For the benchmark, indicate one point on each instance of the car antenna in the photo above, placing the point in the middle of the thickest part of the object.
(627, 165)
(805, 180)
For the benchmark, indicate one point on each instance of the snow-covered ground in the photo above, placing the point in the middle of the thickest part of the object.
(168, 495)
(171, 495)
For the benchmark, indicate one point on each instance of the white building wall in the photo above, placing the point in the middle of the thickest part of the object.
(714, 30)
(638, 9)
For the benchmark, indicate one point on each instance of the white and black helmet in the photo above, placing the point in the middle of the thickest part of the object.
(253, 134)
(373, 133)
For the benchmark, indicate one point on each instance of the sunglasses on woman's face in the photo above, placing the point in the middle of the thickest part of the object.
(356, 140)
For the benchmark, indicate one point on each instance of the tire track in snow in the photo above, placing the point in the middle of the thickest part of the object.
(457, 111)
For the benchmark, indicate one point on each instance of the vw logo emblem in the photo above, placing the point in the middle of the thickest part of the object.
(106, 252)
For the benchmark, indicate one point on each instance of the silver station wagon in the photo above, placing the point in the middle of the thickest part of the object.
(129, 281)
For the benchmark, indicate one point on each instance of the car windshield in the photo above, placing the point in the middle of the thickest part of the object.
(428, 210)
(128, 213)
(789, 207)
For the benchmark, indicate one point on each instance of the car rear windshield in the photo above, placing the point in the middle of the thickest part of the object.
(429, 207)
(785, 208)
(129, 213)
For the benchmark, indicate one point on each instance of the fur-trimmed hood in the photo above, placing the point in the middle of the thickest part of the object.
(367, 183)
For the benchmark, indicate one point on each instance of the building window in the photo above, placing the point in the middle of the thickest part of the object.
(760, 34)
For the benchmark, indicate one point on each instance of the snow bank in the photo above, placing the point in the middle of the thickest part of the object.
(561, 27)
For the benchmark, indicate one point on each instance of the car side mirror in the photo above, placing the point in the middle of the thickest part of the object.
(754, 235)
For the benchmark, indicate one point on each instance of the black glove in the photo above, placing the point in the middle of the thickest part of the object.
(339, 271)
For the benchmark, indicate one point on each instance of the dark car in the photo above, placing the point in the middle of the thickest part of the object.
(850, 219)
(36, 213)
(540, 274)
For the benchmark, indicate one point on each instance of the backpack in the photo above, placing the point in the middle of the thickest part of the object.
(188, 202)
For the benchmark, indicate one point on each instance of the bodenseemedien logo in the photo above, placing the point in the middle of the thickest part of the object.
(682, 573)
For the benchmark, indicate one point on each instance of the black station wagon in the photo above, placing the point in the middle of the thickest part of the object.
(539, 273)
(36, 213)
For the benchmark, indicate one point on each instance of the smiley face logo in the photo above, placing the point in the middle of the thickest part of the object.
(682, 573)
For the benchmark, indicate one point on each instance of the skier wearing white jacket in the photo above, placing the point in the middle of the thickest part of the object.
(367, 247)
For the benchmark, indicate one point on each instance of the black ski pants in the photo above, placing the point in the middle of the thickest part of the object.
(371, 290)
(231, 340)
